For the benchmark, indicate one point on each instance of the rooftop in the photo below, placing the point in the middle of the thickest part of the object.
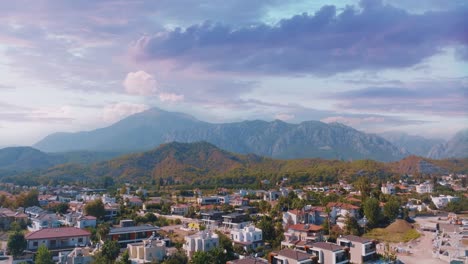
(328, 246)
(306, 227)
(132, 229)
(293, 254)
(61, 232)
(358, 239)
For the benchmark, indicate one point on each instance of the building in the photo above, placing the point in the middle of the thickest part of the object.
(388, 188)
(131, 234)
(76, 256)
(201, 241)
(179, 209)
(58, 238)
(8, 216)
(442, 200)
(342, 209)
(424, 188)
(112, 210)
(361, 249)
(150, 250)
(211, 218)
(235, 220)
(45, 220)
(208, 200)
(306, 216)
(328, 253)
(290, 256)
(85, 221)
(306, 233)
(249, 237)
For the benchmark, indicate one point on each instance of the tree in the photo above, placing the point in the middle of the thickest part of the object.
(372, 211)
(125, 258)
(201, 257)
(178, 258)
(351, 226)
(103, 230)
(363, 186)
(43, 256)
(95, 208)
(391, 209)
(16, 243)
(28, 199)
(61, 208)
(110, 250)
(267, 226)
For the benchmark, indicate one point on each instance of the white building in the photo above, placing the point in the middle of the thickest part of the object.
(443, 200)
(150, 250)
(424, 188)
(388, 188)
(76, 256)
(249, 237)
(201, 241)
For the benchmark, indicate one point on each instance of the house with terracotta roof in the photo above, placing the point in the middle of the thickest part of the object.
(8, 216)
(306, 233)
(290, 256)
(57, 238)
(308, 215)
(329, 253)
(360, 248)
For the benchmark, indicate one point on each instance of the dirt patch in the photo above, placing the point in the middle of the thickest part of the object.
(399, 226)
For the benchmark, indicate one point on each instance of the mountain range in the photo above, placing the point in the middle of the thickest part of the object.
(276, 139)
(203, 164)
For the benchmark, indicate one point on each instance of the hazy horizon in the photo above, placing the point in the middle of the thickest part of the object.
(374, 65)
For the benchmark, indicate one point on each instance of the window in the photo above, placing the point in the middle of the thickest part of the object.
(80, 240)
(35, 244)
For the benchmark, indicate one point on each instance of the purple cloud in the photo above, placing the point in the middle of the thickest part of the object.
(375, 37)
(435, 98)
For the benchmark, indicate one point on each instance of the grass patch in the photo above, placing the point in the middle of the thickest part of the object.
(393, 237)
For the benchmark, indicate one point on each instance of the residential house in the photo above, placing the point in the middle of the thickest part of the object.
(302, 232)
(329, 253)
(248, 237)
(201, 241)
(425, 187)
(290, 256)
(388, 188)
(442, 200)
(86, 221)
(46, 220)
(211, 218)
(271, 195)
(150, 250)
(342, 209)
(57, 238)
(180, 209)
(112, 210)
(235, 220)
(79, 255)
(131, 234)
(208, 200)
(8, 216)
(308, 215)
(361, 249)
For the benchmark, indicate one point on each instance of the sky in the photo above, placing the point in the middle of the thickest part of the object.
(390, 65)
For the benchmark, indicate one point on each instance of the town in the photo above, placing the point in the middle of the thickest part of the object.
(407, 220)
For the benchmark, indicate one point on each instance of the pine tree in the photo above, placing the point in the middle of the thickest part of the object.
(43, 256)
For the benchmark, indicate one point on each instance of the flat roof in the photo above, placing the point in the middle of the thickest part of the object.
(132, 229)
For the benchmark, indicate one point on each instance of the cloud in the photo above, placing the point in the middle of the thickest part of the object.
(171, 97)
(441, 98)
(21, 114)
(284, 116)
(140, 83)
(376, 36)
(117, 111)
